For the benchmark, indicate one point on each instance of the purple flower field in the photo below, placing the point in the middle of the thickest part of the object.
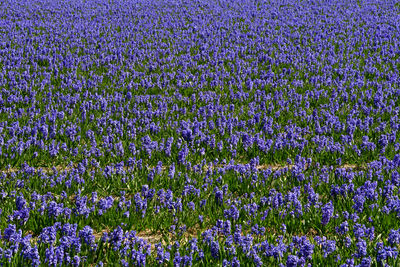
(199, 133)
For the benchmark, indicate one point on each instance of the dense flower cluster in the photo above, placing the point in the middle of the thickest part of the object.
(199, 133)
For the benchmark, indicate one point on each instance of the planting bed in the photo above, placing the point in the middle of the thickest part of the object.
(199, 133)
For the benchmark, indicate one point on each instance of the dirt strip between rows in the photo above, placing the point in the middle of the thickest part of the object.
(205, 167)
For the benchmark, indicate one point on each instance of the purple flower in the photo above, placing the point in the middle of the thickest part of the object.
(343, 228)
(366, 262)
(219, 195)
(328, 247)
(20, 202)
(232, 213)
(183, 153)
(306, 250)
(77, 260)
(359, 201)
(227, 228)
(187, 135)
(177, 259)
(386, 252)
(327, 213)
(215, 249)
(361, 249)
(292, 261)
(235, 262)
(87, 235)
(191, 205)
(394, 237)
